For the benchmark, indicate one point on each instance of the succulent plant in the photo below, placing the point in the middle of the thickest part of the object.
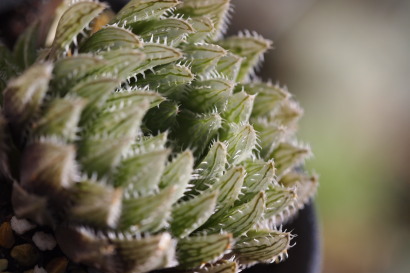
(145, 141)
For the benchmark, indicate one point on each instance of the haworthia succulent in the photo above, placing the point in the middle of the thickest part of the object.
(144, 141)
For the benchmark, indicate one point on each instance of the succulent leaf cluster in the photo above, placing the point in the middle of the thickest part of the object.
(149, 142)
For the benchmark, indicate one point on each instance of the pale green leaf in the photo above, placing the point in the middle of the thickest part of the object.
(279, 201)
(25, 49)
(24, 95)
(261, 246)
(60, 119)
(289, 155)
(209, 94)
(189, 215)
(240, 219)
(229, 66)
(72, 22)
(217, 11)
(139, 10)
(203, 29)
(100, 155)
(203, 57)
(241, 141)
(170, 30)
(147, 213)
(135, 172)
(250, 48)
(178, 173)
(260, 175)
(168, 79)
(111, 37)
(195, 131)
(211, 168)
(94, 203)
(239, 108)
(197, 250)
(161, 118)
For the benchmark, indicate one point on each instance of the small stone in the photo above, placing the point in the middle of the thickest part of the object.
(21, 226)
(38, 269)
(25, 254)
(6, 235)
(57, 265)
(3, 264)
(44, 241)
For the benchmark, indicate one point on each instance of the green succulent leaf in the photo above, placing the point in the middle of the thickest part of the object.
(203, 29)
(172, 30)
(209, 94)
(241, 141)
(161, 118)
(195, 130)
(60, 119)
(157, 54)
(168, 79)
(148, 213)
(150, 143)
(251, 48)
(268, 98)
(288, 114)
(196, 250)
(144, 254)
(119, 121)
(239, 108)
(270, 135)
(95, 204)
(203, 57)
(178, 173)
(69, 70)
(121, 63)
(239, 219)
(211, 168)
(133, 97)
(288, 156)
(53, 169)
(305, 184)
(279, 201)
(100, 154)
(95, 91)
(261, 246)
(221, 266)
(229, 66)
(260, 175)
(82, 245)
(189, 215)
(25, 50)
(140, 10)
(135, 171)
(217, 11)
(111, 37)
(24, 95)
(72, 22)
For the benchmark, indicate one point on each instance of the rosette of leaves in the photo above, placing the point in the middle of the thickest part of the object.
(148, 142)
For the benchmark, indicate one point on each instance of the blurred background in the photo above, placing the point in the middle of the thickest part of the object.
(348, 63)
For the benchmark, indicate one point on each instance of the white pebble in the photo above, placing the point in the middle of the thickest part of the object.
(21, 226)
(44, 241)
(38, 269)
